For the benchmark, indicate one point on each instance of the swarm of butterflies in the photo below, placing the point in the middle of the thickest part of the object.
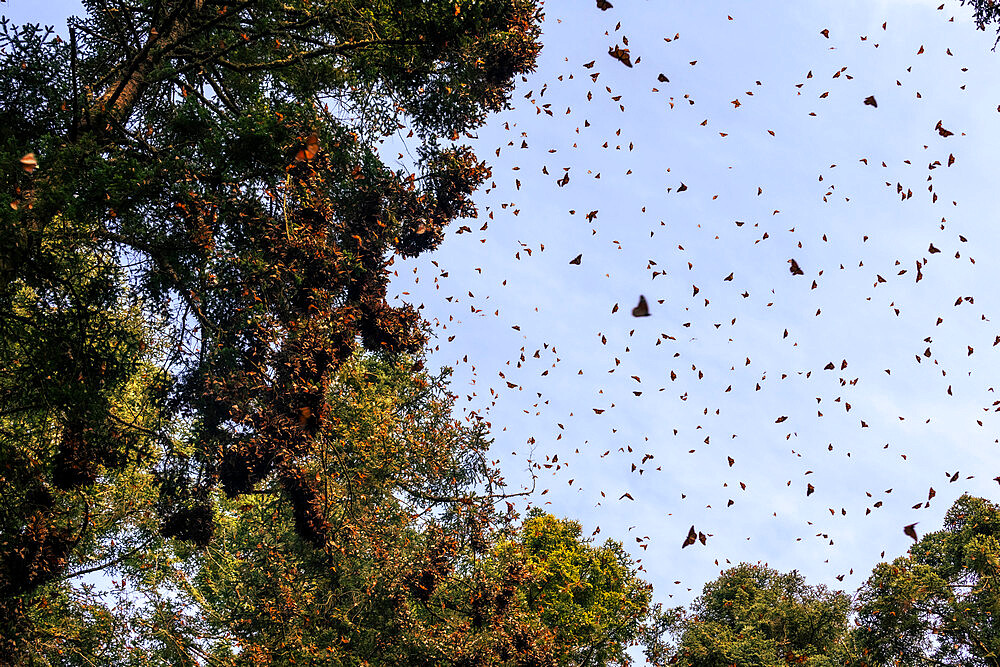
(619, 53)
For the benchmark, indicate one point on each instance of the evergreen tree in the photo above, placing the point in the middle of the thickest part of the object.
(196, 230)
(753, 616)
(940, 604)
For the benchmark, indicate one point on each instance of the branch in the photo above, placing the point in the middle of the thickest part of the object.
(317, 53)
(163, 265)
(135, 71)
(220, 92)
(458, 499)
(115, 561)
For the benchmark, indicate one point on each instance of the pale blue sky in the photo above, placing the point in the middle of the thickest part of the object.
(569, 308)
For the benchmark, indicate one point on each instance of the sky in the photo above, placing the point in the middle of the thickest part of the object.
(758, 149)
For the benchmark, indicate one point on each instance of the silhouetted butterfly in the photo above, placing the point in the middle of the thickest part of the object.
(620, 55)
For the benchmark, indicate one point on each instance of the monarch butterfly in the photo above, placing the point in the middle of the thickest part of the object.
(29, 162)
(310, 150)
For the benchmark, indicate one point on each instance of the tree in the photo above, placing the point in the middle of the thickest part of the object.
(753, 616)
(940, 604)
(985, 13)
(405, 576)
(77, 411)
(589, 596)
(220, 158)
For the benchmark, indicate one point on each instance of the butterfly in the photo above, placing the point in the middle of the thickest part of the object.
(909, 530)
(870, 101)
(29, 162)
(691, 538)
(795, 268)
(662, 78)
(620, 55)
(943, 132)
(310, 150)
(576, 260)
(642, 310)
(604, 5)
(305, 413)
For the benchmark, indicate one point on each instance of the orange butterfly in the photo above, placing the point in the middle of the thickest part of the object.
(310, 150)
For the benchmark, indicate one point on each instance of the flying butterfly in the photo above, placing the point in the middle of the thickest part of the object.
(911, 531)
(641, 310)
(576, 260)
(870, 101)
(795, 268)
(691, 538)
(604, 5)
(620, 55)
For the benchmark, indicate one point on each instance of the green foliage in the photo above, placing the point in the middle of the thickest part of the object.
(589, 596)
(77, 417)
(939, 604)
(753, 616)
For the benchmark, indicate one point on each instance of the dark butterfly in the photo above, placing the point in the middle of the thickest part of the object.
(691, 538)
(576, 260)
(943, 132)
(870, 101)
(620, 55)
(795, 268)
(662, 78)
(642, 310)
(909, 530)
(604, 5)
